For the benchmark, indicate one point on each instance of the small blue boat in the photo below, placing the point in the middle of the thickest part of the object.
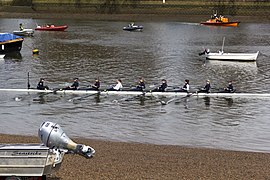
(133, 27)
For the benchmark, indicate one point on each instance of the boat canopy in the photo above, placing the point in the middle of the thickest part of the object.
(8, 36)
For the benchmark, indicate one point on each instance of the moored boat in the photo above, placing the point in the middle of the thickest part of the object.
(229, 56)
(232, 56)
(133, 27)
(220, 20)
(51, 27)
(24, 32)
(10, 43)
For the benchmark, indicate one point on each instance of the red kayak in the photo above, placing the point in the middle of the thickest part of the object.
(51, 27)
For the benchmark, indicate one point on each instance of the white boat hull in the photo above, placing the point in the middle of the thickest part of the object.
(25, 32)
(233, 56)
(28, 160)
(183, 94)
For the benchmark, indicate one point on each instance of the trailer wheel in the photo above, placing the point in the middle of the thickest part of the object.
(44, 177)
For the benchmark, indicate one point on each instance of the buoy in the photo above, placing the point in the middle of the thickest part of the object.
(35, 51)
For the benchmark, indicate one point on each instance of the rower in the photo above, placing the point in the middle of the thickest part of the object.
(185, 88)
(229, 88)
(140, 86)
(41, 85)
(95, 86)
(117, 87)
(162, 86)
(206, 88)
(74, 86)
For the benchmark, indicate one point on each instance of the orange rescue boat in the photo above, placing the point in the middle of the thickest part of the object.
(220, 21)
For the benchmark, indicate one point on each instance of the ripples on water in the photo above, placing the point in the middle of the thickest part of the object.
(90, 49)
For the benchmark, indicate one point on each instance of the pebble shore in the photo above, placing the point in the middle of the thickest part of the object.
(119, 160)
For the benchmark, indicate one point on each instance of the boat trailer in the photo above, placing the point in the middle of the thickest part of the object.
(36, 161)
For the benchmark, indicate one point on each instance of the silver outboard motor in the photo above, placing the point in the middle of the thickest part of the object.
(52, 136)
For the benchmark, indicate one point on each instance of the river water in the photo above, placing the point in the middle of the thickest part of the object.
(90, 49)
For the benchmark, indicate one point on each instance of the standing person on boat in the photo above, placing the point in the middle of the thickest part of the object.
(74, 86)
(229, 88)
(206, 51)
(21, 27)
(41, 86)
(140, 86)
(117, 87)
(162, 87)
(95, 86)
(206, 88)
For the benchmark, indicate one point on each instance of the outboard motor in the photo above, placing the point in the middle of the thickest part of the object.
(52, 136)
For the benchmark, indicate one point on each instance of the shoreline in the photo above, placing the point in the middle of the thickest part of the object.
(119, 160)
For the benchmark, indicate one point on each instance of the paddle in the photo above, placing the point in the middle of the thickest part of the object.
(176, 98)
(83, 97)
(135, 97)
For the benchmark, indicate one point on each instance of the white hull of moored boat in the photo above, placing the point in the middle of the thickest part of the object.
(183, 94)
(25, 32)
(233, 56)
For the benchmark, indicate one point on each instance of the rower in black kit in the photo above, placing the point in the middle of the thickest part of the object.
(206, 88)
(74, 86)
(95, 86)
(162, 87)
(140, 86)
(229, 88)
(41, 86)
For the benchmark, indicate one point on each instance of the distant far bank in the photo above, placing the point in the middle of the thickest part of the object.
(128, 17)
(168, 8)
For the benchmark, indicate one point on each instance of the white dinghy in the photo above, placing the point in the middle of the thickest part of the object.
(232, 56)
(229, 56)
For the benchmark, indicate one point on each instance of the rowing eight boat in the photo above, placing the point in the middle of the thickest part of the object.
(167, 93)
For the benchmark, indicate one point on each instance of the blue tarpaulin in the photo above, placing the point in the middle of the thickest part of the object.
(8, 36)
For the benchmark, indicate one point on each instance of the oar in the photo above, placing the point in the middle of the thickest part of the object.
(83, 97)
(175, 98)
(135, 97)
(131, 98)
(28, 81)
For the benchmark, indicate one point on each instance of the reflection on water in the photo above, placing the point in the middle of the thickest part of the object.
(13, 56)
(90, 49)
(207, 101)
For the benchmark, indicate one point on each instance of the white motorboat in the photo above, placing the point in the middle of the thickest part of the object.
(133, 27)
(221, 55)
(232, 56)
(24, 32)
